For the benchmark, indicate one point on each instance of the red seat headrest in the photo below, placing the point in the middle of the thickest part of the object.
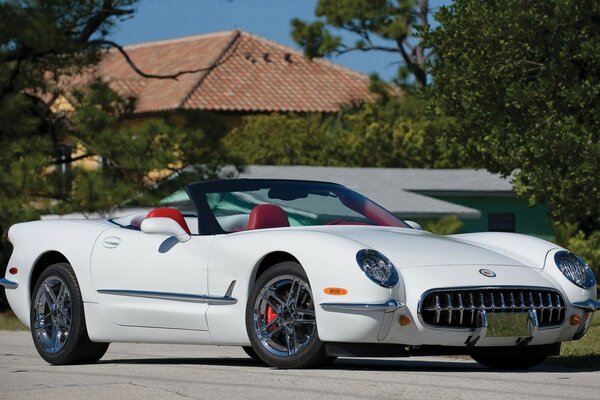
(172, 213)
(267, 216)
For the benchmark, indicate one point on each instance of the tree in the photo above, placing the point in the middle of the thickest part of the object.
(41, 43)
(523, 79)
(393, 132)
(391, 26)
(142, 160)
(38, 40)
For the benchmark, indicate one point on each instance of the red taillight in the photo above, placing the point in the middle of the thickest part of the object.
(13, 270)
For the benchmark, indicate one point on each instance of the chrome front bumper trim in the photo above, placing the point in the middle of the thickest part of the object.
(388, 308)
(589, 305)
(8, 284)
(390, 305)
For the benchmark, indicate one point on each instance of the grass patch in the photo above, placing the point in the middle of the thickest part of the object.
(8, 322)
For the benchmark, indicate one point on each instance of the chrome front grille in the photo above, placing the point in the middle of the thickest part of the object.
(459, 308)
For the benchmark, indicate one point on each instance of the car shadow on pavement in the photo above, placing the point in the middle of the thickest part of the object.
(359, 364)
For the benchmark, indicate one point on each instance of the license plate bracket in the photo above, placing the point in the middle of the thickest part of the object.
(508, 324)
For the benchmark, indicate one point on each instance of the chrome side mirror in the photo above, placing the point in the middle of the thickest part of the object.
(414, 225)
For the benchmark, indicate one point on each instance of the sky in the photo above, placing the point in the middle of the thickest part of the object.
(162, 19)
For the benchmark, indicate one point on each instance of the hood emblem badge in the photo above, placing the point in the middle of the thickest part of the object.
(487, 273)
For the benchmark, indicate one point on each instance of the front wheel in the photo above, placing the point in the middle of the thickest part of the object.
(510, 361)
(58, 321)
(280, 319)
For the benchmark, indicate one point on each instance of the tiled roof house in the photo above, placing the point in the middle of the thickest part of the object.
(250, 74)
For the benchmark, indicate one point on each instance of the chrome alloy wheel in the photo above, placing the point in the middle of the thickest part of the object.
(284, 316)
(52, 314)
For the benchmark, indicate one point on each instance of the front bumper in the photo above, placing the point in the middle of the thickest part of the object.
(417, 333)
(388, 308)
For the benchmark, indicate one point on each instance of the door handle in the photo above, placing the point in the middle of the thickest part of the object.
(111, 242)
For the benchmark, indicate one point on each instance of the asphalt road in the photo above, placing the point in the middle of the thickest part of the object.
(146, 372)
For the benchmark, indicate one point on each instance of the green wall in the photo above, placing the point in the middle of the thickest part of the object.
(528, 220)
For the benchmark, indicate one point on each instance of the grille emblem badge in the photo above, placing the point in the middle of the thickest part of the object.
(487, 273)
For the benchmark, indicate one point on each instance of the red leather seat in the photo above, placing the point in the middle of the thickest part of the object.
(267, 216)
(172, 213)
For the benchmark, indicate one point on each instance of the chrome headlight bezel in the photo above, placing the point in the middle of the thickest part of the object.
(378, 268)
(575, 269)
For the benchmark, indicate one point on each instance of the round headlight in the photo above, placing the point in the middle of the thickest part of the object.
(377, 267)
(575, 269)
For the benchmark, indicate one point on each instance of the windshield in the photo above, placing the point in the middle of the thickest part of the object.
(237, 205)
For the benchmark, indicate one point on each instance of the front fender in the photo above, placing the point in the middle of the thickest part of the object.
(328, 260)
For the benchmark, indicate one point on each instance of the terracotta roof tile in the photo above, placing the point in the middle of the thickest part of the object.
(252, 74)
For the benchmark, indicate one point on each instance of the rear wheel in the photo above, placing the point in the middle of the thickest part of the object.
(509, 361)
(58, 321)
(280, 319)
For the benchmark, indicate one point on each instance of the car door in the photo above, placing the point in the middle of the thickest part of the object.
(151, 280)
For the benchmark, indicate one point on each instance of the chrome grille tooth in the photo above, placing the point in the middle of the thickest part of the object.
(472, 301)
(502, 304)
(461, 309)
(541, 306)
(522, 301)
(559, 306)
(492, 305)
(438, 309)
(531, 303)
(550, 306)
(449, 307)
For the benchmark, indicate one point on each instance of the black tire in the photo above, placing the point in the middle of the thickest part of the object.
(510, 361)
(252, 354)
(294, 340)
(59, 310)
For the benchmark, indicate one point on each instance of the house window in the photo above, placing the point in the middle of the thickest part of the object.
(501, 222)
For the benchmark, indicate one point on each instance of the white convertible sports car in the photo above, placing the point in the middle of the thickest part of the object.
(297, 273)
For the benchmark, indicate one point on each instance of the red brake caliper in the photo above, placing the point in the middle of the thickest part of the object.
(271, 316)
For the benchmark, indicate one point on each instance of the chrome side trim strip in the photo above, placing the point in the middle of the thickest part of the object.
(184, 297)
(8, 284)
(589, 305)
(390, 305)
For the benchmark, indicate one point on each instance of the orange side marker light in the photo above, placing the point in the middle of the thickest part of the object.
(575, 320)
(404, 320)
(335, 291)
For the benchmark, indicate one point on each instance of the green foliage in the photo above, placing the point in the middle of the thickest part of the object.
(40, 40)
(584, 353)
(379, 25)
(564, 232)
(523, 79)
(396, 132)
(443, 226)
(9, 322)
(588, 248)
(142, 160)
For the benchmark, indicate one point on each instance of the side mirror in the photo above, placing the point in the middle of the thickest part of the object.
(414, 225)
(165, 226)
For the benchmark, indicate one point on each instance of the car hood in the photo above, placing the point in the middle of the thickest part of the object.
(409, 248)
